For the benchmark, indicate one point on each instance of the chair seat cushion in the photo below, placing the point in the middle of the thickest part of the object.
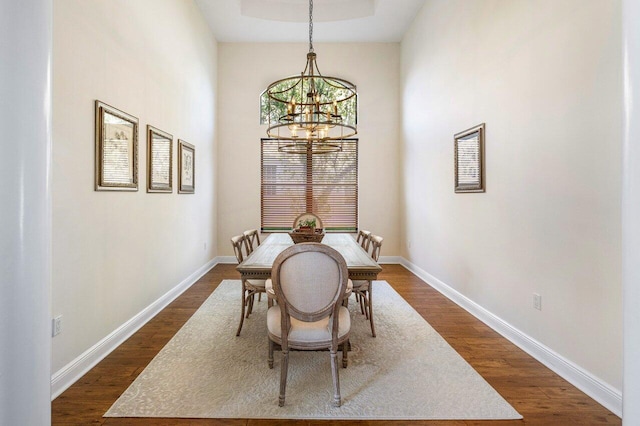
(349, 289)
(259, 284)
(360, 284)
(306, 332)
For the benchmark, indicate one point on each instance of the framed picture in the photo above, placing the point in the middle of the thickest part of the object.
(116, 149)
(186, 167)
(469, 160)
(159, 160)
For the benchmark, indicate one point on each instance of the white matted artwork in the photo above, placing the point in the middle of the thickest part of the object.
(186, 167)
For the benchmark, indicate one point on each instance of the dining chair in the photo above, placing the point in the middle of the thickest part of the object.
(363, 288)
(249, 287)
(252, 240)
(309, 281)
(363, 239)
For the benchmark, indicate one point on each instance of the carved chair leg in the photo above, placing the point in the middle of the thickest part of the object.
(283, 375)
(270, 358)
(336, 380)
(242, 311)
(250, 297)
(365, 302)
(346, 346)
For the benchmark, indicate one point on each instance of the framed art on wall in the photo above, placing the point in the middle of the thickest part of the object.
(469, 160)
(159, 160)
(116, 149)
(186, 167)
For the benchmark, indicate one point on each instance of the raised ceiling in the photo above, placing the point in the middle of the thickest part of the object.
(288, 20)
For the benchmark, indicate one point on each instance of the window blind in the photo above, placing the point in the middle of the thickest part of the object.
(325, 184)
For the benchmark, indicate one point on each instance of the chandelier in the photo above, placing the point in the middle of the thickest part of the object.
(311, 112)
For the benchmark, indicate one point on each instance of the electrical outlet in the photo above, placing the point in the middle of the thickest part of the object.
(57, 325)
(537, 301)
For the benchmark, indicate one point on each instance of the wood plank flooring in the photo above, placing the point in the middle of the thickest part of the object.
(541, 396)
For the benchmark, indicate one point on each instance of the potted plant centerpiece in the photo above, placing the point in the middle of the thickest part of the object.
(307, 226)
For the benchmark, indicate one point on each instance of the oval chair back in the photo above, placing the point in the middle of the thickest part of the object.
(310, 280)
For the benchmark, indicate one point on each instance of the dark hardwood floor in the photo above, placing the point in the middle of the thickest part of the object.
(541, 396)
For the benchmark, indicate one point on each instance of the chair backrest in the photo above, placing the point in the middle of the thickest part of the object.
(238, 242)
(376, 246)
(363, 239)
(251, 240)
(307, 216)
(309, 280)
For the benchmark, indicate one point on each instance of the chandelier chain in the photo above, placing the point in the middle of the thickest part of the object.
(310, 25)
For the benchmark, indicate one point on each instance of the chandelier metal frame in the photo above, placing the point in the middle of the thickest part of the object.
(313, 121)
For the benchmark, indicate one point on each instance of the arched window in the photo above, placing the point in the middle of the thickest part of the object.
(272, 111)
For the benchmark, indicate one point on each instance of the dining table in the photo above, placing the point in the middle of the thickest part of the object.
(359, 263)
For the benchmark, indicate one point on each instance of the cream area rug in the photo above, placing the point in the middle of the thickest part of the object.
(407, 372)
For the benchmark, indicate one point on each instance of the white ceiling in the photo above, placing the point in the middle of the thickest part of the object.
(288, 20)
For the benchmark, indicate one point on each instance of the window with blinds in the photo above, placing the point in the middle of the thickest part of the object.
(325, 184)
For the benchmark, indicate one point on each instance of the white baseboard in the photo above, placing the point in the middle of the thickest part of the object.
(597, 389)
(71, 372)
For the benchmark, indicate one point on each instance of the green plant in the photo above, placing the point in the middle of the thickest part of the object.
(307, 222)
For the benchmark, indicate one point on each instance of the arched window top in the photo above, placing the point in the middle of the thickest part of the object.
(272, 111)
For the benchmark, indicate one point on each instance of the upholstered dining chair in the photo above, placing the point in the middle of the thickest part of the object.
(309, 281)
(249, 287)
(251, 239)
(363, 288)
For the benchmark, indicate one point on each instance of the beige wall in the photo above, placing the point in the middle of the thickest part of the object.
(114, 253)
(245, 70)
(545, 77)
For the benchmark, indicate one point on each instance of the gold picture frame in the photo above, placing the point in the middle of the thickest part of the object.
(159, 161)
(469, 160)
(116, 162)
(186, 167)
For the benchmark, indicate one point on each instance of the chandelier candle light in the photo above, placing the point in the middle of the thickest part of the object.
(311, 112)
